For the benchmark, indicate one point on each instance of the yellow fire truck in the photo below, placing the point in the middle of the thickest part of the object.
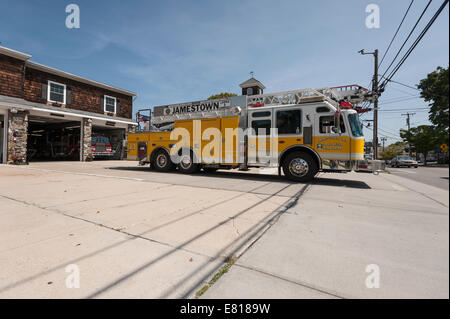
(301, 132)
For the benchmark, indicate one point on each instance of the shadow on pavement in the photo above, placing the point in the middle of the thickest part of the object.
(257, 177)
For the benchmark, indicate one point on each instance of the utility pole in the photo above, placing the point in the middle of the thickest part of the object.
(408, 123)
(383, 139)
(375, 102)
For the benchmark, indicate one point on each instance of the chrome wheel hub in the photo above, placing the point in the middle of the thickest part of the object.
(298, 167)
(161, 160)
(186, 162)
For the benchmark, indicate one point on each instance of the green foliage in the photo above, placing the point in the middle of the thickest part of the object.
(221, 95)
(393, 150)
(424, 138)
(435, 89)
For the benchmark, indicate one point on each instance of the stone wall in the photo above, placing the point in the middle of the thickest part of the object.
(86, 143)
(17, 137)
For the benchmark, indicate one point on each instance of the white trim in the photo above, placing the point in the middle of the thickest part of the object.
(81, 140)
(341, 156)
(15, 54)
(5, 135)
(33, 108)
(104, 103)
(48, 92)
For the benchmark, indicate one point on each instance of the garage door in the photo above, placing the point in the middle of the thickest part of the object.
(52, 139)
(107, 142)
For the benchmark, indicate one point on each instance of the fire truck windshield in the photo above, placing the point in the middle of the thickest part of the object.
(355, 124)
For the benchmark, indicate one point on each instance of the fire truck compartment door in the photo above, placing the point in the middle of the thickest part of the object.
(230, 139)
(259, 141)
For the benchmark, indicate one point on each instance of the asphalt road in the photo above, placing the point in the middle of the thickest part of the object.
(434, 176)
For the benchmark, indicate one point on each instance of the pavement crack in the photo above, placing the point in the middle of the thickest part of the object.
(305, 285)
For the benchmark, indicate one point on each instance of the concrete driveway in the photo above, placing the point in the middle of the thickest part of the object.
(135, 233)
(132, 232)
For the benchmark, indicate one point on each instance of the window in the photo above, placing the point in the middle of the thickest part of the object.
(289, 122)
(322, 109)
(261, 114)
(56, 92)
(327, 122)
(110, 104)
(261, 127)
(355, 124)
(100, 139)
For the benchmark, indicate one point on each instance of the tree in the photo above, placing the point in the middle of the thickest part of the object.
(221, 95)
(423, 138)
(393, 150)
(435, 89)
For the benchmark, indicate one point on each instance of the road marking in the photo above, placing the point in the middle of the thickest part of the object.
(398, 187)
(402, 171)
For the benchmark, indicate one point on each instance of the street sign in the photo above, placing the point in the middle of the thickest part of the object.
(444, 148)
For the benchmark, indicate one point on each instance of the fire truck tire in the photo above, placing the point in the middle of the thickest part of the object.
(300, 167)
(162, 162)
(187, 165)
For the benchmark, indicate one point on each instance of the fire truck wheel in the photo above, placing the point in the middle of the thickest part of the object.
(161, 162)
(187, 165)
(300, 167)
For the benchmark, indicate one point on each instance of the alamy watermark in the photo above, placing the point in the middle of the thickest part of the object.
(373, 279)
(73, 19)
(373, 17)
(213, 146)
(73, 279)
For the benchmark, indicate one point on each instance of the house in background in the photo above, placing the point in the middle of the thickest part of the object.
(48, 114)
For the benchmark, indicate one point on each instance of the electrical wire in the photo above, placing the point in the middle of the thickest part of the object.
(405, 85)
(416, 42)
(393, 38)
(409, 35)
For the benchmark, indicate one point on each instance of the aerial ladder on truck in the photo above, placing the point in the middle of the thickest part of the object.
(301, 132)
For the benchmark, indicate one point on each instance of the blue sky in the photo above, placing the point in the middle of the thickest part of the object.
(177, 51)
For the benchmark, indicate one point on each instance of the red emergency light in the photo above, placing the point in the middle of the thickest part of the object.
(346, 105)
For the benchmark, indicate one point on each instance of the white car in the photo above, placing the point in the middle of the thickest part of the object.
(403, 160)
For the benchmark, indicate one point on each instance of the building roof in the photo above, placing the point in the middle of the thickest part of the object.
(252, 82)
(37, 66)
(14, 54)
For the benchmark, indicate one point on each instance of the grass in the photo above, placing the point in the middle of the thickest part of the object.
(220, 273)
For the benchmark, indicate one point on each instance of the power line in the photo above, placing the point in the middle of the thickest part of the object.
(409, 35)
(406, 85)
(401, 97)
(387, 133)
(403, 110)
(399, 100)
(406, 13)
(395, 138)
(416, 42)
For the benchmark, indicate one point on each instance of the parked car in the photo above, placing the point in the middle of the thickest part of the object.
(404, 160)
(101, 146)
(364, 166)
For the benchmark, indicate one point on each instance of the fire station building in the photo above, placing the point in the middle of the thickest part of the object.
(48, 114)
